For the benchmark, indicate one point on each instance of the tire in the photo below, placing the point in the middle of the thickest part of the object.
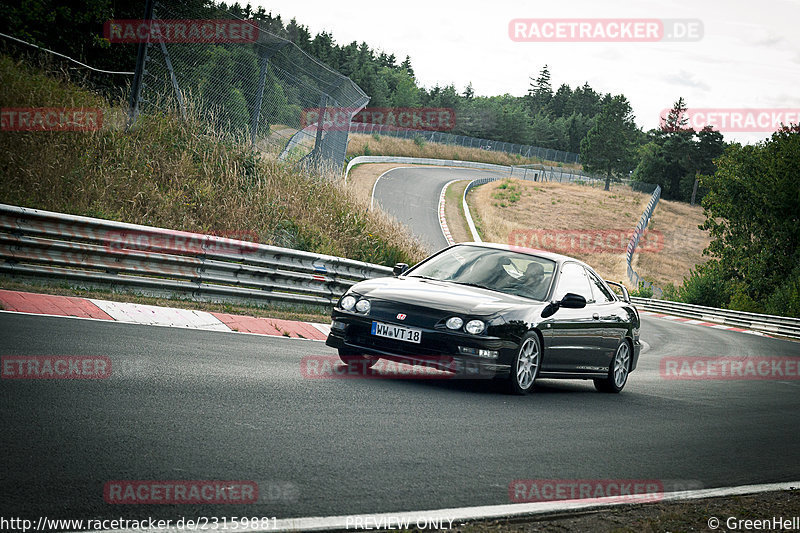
(526, 365)
(357, 361)
(618, 370)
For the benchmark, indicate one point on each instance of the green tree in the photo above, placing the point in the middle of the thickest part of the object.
(558, 103)
(406, 65)
(404, 91)
(609, 145)
(540, 92)
(751, 213)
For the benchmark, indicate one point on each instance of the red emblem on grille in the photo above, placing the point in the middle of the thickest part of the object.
(401, 316)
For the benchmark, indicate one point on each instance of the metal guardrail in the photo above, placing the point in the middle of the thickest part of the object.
(361, 159)
(546, 154)
(633, 276)
(779, 325)
(156, 261)
(149, 260)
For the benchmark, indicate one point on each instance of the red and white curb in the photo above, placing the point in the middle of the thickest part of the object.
(696, 322)
(442, 218)
(151, 315)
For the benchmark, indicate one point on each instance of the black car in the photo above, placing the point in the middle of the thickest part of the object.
(516, 313)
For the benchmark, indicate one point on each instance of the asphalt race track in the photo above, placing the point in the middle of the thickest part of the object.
(411, 195)
(188, 404)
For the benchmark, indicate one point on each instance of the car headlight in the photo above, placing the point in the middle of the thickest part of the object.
(347, 303)
(454, 323)
(363, 306)
(475, 326)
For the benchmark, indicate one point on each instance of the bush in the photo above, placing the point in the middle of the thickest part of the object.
(642, 291)
(670, 293)
(741, 301)
(419, 140)
(706, 285)
(785, 301)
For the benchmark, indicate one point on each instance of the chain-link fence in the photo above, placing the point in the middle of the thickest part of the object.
(544, 154)
(257, 87)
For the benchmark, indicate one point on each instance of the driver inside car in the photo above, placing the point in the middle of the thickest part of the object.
(535, 285)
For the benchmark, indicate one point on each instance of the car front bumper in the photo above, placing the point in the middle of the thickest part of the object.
(439, 349)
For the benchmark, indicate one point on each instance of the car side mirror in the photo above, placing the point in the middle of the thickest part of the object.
(399, 269)
(569, 301)
(573, 301)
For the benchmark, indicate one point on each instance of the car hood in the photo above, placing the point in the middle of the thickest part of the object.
(441, 295)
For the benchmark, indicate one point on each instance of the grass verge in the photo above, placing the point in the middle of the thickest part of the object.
(454, 212)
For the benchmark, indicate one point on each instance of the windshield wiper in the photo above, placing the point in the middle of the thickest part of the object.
(470, 284)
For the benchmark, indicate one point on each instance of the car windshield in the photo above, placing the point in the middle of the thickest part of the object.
(498, 270)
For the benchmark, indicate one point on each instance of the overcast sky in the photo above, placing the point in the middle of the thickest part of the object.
(748, 57)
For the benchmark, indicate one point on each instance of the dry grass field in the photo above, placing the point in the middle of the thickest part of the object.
(592, 225)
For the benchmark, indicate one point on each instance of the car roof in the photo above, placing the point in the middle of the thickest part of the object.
(558, 258)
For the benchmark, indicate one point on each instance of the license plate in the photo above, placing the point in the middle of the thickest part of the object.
(401, 333)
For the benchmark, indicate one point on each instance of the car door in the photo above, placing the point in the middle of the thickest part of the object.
(608, 313)
(574, 336)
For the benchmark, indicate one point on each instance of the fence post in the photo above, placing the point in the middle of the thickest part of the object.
(172, 78)
(323, 103)
(141, 59)
(259, 97)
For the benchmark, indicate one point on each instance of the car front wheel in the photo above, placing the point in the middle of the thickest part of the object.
(618, 370)
(525, 368)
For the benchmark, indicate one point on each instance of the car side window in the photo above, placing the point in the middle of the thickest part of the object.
(601, 293)
(573, 279)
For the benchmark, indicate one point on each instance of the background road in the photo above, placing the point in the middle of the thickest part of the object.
(411, 195)
(187, 404)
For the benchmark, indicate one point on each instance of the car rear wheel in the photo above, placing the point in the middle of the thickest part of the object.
(357, 361)
(525, 368)
(618, 370)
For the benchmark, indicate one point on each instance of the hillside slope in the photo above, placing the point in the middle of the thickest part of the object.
(179, 175)
(558, 215)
